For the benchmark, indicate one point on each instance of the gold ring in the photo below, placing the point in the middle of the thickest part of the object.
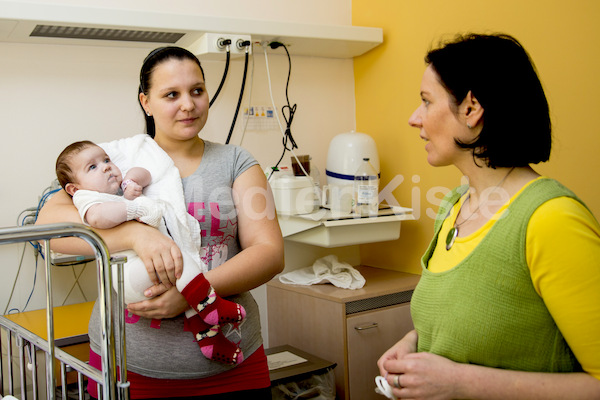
(397, 382)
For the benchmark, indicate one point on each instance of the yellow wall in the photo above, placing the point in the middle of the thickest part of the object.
(563, 39)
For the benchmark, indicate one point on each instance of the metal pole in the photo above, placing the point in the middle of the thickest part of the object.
(50, 371)
(122, 382)
(34, 376)
(11, 388)
(23, 379)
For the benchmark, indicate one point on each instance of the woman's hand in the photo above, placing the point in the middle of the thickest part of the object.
(169, 304)
(160, 254)
(417, 375)
(422, 376)
(406, 345)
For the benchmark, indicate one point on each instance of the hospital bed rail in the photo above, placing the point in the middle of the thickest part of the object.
(109, 385)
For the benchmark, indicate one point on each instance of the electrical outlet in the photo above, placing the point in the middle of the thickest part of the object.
(211, 47)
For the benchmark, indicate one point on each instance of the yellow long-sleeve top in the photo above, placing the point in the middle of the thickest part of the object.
(563, 255)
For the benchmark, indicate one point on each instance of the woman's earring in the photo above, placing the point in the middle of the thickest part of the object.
(469, 126)
(148, 113)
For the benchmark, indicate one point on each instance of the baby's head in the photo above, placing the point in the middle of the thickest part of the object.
(85, 165)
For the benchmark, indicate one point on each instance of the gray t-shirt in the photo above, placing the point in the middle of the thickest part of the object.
(161, 348)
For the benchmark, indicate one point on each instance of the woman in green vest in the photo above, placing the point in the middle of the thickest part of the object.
(508, 305)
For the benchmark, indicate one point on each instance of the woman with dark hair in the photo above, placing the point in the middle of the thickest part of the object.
(195, 343)
(508, 304)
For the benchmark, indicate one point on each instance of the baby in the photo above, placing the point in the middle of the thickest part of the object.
(105, 199)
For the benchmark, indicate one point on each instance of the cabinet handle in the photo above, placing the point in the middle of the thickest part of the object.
(365, 327)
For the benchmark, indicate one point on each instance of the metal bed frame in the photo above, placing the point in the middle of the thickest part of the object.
(110, 386)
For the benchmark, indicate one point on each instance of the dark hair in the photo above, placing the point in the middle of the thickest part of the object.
(500, 74)
(64, 173)
(156, 57)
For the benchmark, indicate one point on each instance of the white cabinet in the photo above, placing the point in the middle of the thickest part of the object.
(349, 327)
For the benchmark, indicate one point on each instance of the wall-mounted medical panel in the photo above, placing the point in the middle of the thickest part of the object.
(31, 22)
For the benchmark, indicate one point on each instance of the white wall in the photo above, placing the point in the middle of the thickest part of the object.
(53, 95)
(330, 12)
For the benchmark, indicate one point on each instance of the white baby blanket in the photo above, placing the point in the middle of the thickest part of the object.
(166, 186)
(326, 270)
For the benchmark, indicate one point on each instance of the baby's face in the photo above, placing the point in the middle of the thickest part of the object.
(94, 171)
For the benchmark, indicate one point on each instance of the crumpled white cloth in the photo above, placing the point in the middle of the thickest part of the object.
(326, 270)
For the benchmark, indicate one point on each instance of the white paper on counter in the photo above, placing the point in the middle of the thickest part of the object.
(283, 359)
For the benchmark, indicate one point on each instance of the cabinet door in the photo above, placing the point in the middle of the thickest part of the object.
(370, 334)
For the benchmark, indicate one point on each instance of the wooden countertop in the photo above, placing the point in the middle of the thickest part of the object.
(379, 282)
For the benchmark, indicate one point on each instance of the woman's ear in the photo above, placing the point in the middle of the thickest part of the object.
(71, 188)
(472, 110)
(144, 103)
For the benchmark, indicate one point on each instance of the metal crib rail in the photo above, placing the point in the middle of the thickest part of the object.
(111, 388)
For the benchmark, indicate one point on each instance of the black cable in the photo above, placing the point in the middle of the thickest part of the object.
(275, 45)
(276, 167)
(223, 78)
(239, 103)
(287, 110)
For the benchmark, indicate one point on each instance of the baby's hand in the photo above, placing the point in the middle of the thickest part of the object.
(131, 189)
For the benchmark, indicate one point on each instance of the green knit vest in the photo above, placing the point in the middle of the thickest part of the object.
(485, 310)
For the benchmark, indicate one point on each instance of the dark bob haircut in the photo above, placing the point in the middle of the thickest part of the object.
(500, 74)
(156, 57)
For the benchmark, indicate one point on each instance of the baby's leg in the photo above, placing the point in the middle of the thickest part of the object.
(201, 296)
(212, 308)
(213, 344)
(135, 278)
(191, 269)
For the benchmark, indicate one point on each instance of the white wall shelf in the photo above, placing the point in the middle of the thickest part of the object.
(18, 18)
(320, 229)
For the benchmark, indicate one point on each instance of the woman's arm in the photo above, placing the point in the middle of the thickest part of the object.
(562, 237)
(260, 237)
(428, 376)
(158, 252)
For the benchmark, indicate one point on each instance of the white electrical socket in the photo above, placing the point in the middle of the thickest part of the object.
(210, 47)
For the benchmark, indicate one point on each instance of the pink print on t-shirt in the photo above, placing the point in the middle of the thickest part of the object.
(215, 217)
(215, 251)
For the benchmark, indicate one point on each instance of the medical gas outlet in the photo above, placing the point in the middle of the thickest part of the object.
(214, 46)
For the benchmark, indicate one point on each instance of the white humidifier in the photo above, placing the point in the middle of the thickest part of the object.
(345, 155)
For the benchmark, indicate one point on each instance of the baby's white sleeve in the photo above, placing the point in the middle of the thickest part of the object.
(84, 199)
